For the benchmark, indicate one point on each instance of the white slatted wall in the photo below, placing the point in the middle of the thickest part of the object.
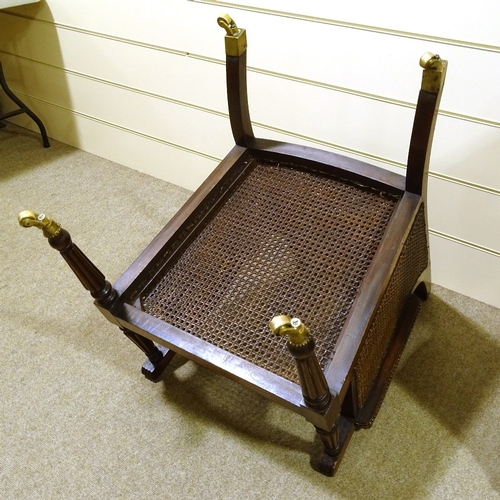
(144, 85)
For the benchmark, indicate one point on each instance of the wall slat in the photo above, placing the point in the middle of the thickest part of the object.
(146, 88)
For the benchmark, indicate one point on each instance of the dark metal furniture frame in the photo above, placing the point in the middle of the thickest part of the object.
(282, 229)
(22, 109)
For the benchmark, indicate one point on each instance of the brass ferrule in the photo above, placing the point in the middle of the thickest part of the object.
(50, 228)
(298, 333)
(235, 39)
(434, 72)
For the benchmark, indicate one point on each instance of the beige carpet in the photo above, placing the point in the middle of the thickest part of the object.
(78, 420)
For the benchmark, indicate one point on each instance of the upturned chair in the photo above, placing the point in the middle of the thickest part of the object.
(276, 233)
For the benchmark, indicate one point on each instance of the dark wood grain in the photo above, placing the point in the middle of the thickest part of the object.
(239, 115)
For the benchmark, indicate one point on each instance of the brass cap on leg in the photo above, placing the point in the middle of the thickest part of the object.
(434, 72)
(235, 39)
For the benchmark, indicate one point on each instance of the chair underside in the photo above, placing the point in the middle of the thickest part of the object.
(284, 240)
(280, 230)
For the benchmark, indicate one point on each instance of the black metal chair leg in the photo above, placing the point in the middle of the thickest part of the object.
(22, 109)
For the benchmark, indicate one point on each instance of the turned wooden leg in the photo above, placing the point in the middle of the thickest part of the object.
(329, 459)
(158, 356)
(89, 275)
(317, 395)
(94, 281)
(334, 444)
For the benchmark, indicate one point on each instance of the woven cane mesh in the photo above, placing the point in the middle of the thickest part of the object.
(413, 260)
(285, 242)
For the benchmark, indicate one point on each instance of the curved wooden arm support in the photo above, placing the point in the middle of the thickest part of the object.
(433, 79)
(236, 79)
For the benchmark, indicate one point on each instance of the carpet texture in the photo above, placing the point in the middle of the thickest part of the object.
(78, 420)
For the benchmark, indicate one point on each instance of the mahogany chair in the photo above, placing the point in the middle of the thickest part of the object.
(279, 232)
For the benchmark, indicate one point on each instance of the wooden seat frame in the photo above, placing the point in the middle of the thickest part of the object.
(326, 396)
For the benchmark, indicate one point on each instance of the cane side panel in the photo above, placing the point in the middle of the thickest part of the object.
(412, 262)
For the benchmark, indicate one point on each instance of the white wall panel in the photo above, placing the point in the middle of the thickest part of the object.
(468, 270)
(467, 151)
(167, 23)
(460, 21)
(467, 214)
(184, 126)
(370, 62)
(339, 118)
(145, 86)
(156, 70)
(145, 154)
(362, 61)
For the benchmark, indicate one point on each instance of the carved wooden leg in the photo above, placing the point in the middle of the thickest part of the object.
(94, 281)
(317, 395)
(334, 444)
(158, 356)
(331, 446)
(88, 274)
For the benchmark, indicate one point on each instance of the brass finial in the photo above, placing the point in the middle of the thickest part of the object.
(50, 228)
(298, 333)
(235, 39)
